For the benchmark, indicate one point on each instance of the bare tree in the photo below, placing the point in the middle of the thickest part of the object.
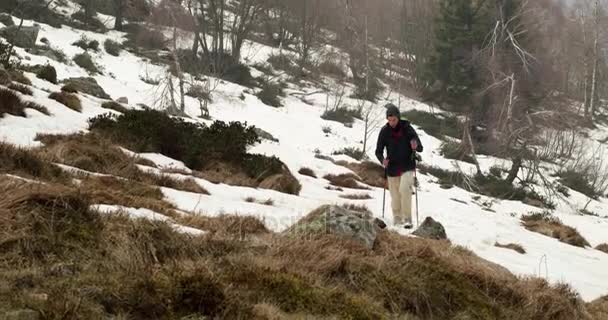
(372, 119)
(245, 14)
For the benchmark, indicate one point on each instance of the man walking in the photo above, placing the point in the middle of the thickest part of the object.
(401, 142)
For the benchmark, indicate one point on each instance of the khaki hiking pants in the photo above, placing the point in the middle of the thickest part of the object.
(401, 189)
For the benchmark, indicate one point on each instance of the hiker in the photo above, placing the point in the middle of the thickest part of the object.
(401, 142)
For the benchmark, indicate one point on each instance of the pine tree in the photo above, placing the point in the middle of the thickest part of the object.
(460, 31)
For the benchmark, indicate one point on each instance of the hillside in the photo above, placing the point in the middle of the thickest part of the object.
(177, 234)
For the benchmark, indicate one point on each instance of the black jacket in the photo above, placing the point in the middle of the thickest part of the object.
(397, 143)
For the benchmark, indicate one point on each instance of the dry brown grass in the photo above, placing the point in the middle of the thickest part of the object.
(147, 270)
(346, 180)
(67, 99)
(127, 193)
(599, 308)
(18, 76)
(226, 224)
(21, 88)
(368, 172)
(307, 172)
(230, 174)
(93, 153)
(602, 247)
(356, 196)
(26, 162)
(552, 227)
(513, 246)
(10, 103)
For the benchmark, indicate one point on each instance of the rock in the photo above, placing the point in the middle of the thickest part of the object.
(6, 19)
(25, 37)
(431, 229)
(23, 314)
(331, 219)
(123, 100)
(265, 135)
(87, 85)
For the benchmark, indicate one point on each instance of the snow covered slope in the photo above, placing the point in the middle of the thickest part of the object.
(299, 129)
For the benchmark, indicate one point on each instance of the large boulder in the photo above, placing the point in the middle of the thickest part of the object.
(330, 219)
(87, 85)
(431, 229)
(25, 37)
(6, 19)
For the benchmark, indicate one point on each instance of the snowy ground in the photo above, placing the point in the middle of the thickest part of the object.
(298, 127)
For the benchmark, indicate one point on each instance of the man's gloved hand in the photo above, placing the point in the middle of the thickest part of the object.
(414, 144)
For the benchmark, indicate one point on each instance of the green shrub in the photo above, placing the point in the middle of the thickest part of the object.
(194, 144)
(287, 64)
(579, 181)
(342, 114)
(436, 126)
(453, 150)
(224, 67)
(198, 92)
(112, 47)
(367, 91)
(113, 105)
(140, 37)
(82, 43)
(93, 45)
(490, 185)
(46, 72)
(81, 21)
(355, 153)
(332, 68)
(85, 61)
(271, 94)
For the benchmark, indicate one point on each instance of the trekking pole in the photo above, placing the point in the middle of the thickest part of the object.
(416, 186)
(384, 195)
(416, 157)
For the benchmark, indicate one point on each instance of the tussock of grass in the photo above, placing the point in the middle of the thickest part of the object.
(307, 172)
(513, 246)
(550, 226)
(93, 153)
(346, 180)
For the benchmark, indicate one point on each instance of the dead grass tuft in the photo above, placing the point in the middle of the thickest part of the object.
(227, 224)
(307, 172)
(513, 246)
(368, 172)
(346, 180)
(550, 226)
(94, 153)
(355, 196)
(26, 162)
(67, 99)
(602, 247)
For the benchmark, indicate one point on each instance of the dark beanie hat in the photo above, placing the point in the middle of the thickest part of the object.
(392, 110)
